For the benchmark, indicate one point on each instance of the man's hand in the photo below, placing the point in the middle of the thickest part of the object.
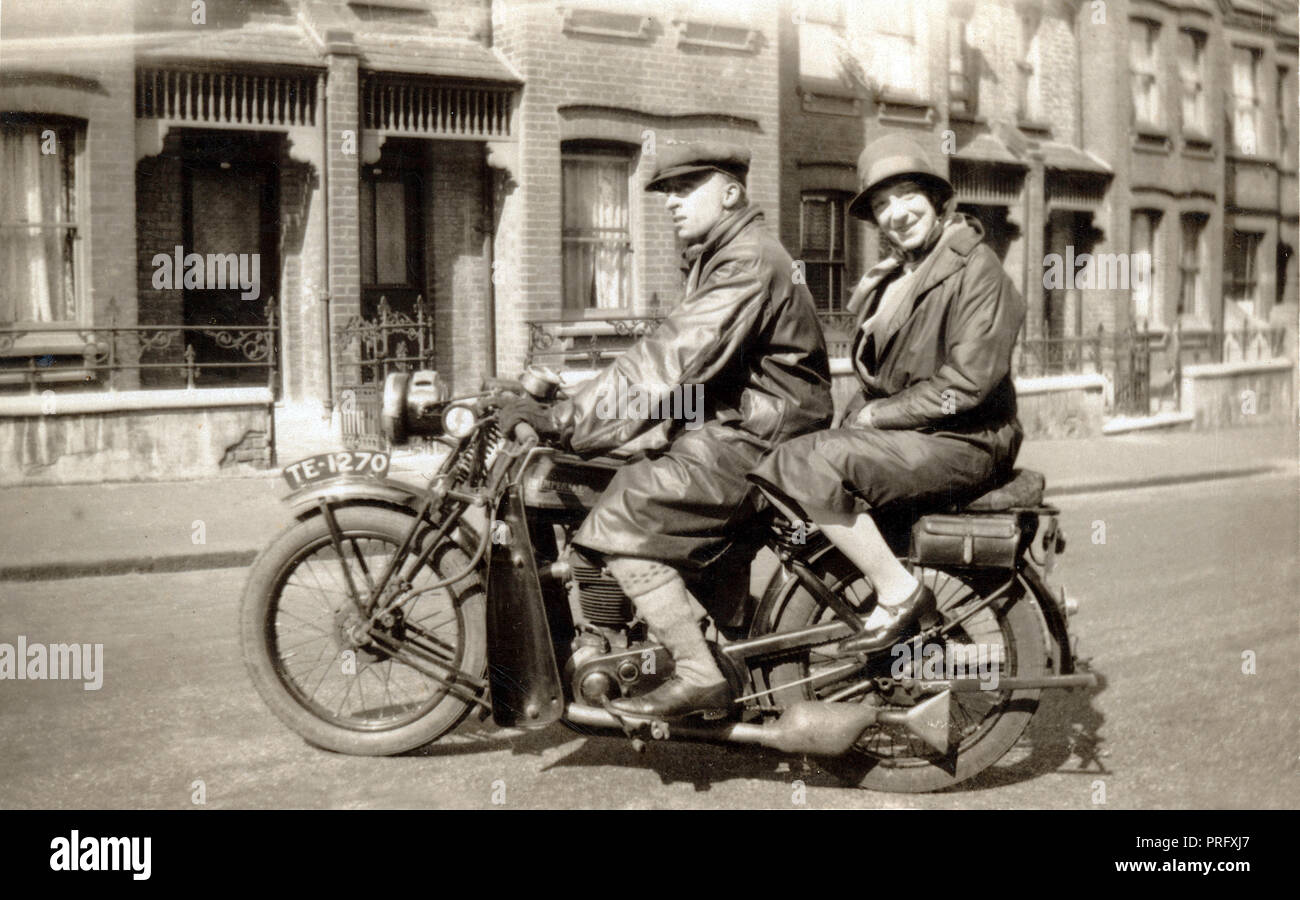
(529, 411)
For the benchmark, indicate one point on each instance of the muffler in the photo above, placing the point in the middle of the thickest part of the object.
(814, 727)
(829, 729)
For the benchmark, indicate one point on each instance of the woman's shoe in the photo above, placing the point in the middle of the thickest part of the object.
(902, 618)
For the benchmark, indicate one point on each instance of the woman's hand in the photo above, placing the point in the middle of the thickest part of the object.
(863, 417)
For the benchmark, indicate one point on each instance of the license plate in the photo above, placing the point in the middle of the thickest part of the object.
(324, 466)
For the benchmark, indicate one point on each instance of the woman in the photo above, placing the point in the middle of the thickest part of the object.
(936, 417)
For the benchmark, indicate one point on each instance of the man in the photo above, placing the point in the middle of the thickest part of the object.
(748, 338)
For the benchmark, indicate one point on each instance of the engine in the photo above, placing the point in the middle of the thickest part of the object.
(600, 597)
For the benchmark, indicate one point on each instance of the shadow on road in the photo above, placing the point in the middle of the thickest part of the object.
(1065, 727)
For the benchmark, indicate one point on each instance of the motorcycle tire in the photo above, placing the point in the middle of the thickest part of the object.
(268, 582)
(1021, 632)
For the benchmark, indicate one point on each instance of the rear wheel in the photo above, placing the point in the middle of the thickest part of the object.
(984, 726)
(312, 661)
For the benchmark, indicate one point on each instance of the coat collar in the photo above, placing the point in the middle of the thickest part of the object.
(722, 232)
(961, 235)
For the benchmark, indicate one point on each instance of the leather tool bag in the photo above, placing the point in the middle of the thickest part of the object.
(983, 541)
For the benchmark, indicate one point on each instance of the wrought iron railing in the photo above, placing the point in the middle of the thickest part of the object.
(1249, 342)
(838, 327)
(1124, 358)
(367, 351)
(1060, 356)
(160, 355)
(585, 343)
(593, 342)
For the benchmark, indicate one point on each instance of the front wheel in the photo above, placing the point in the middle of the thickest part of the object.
(984, 726)
(311, 659)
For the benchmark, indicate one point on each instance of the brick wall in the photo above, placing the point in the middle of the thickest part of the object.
(343, 174)
(458, 280)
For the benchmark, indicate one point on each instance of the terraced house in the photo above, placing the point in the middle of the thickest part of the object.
(222, 222)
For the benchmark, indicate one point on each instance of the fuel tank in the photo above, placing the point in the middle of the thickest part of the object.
(562, 481)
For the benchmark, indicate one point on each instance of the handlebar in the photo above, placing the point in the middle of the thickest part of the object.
(503, 384)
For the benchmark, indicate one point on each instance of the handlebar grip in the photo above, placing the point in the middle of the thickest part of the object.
(525, 433)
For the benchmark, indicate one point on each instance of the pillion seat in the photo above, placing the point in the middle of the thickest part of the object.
(1024, 489)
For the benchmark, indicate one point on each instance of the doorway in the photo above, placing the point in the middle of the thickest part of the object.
(230, 217)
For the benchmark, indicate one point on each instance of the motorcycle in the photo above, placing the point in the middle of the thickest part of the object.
(388, 612)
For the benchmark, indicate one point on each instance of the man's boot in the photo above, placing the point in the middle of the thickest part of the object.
(673, 615)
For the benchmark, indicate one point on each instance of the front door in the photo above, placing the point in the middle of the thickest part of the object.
(392, 217)
(231, 220)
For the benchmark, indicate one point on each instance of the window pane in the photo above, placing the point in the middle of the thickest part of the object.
(816, 226)
(884, 32)
(961, 80)
(1193, 266)
(825, 281)
(597, 235)
(1190, 62)
(37, 282)
(390, 232)
(1245, 124)
(817, 54)
(1242, 266)
(1144, 68)
(1142, 249)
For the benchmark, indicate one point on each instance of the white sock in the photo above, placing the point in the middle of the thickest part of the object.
(900, 591)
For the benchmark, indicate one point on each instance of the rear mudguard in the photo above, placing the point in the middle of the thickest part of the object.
(522, 671)
(1053, 620)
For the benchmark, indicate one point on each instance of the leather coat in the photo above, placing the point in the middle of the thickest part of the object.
(937, 377)
(750, 337)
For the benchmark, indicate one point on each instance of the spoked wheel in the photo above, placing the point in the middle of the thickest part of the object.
(327, 677)
(1004, 638)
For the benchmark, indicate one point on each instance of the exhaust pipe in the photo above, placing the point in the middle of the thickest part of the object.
(810, 726)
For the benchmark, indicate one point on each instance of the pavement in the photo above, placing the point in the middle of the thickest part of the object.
(69, 531)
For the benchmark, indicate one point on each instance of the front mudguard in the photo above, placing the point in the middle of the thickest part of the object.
(346, 490)
(385, 492)
(522, 671)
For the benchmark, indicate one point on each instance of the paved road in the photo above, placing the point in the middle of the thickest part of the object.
(1186, 581)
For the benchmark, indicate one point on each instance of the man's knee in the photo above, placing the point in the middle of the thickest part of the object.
(639, 577)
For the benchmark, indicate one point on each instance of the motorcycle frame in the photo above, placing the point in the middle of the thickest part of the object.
(526, 689)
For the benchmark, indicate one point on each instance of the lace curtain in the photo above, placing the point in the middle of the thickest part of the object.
(597, 238)
(1144, 66)
(1245, 121)
(36, 225)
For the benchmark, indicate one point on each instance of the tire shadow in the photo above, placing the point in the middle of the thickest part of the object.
(1066, 727)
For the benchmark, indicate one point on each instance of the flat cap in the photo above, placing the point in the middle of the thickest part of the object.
(698, 156)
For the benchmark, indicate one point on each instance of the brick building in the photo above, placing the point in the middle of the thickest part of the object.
(456, 168)
(1069, 128)
(990, 88)
(458, 183)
